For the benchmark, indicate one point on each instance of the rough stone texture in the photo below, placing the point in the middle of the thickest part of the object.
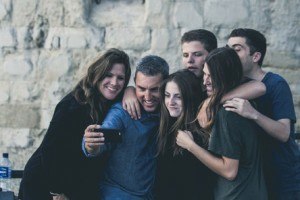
(46, 46)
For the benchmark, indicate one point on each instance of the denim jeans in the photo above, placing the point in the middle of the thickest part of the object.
(113, 193)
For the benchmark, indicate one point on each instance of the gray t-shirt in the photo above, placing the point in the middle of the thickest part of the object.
(236, 137)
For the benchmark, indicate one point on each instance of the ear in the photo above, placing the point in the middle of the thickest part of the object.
(256, 57)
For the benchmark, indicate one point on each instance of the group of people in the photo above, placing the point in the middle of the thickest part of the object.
(222, 128)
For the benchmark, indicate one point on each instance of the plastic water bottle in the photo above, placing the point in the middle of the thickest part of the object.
(5, 173)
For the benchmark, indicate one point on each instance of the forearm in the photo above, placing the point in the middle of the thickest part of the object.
(218, 165)
(249, 90)
(279, 130)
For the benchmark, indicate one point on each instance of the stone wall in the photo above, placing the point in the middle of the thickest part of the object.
(45, 46)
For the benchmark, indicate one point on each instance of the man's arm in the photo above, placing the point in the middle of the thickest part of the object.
(92, 141)
(223, 166)
(131, 103)
(249, 90)
(279, 129)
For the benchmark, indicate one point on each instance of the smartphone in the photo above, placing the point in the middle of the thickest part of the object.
(110, 135)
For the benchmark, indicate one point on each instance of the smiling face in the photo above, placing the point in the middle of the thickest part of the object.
(207, 80)
(173, 99)
(193, 56)
(147, 90)
(113, 83)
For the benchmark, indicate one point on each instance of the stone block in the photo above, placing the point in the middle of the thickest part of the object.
(76, 12)
(25, 92)
(282, 58)
(136, 38)
(160, 39)
(53, 65)
(46, 116)
(17, 66)
(188, 15)
(5, 9)
(73, 38)
(117, 13)
(53, 11)
(15, 137)
(4, 92)
(156, 13)
(24, 11)
(19, 116)
(226, 13)
(7, 36)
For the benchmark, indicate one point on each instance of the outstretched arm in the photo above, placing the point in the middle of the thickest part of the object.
(224, 166)
(249, 90)
(131, 103)
(279, 129)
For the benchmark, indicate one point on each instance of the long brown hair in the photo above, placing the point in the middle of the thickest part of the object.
(191, 95)
(226, 73)
(86, 91)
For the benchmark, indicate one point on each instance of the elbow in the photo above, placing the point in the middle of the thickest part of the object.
(285, 137)
(230, 175)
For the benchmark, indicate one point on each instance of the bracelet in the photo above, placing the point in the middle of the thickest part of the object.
(54, 194)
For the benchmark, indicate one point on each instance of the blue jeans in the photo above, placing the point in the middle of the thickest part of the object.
(113, 193)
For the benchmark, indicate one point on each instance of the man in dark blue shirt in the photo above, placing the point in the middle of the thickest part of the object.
(275, 115)
(131, 167)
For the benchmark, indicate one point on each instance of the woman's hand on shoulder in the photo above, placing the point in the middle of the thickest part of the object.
(131, 103)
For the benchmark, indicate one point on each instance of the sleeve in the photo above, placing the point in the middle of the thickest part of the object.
(115, 118)
(225, 137)
(59, 149)
(282, 102)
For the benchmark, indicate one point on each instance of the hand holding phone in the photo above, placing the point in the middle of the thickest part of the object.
(110, 135)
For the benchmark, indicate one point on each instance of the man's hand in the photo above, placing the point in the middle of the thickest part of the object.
(93, 140)
(131, 103)
(241, 107)
(184, 139)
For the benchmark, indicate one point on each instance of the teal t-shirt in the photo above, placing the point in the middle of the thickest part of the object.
(237, 138)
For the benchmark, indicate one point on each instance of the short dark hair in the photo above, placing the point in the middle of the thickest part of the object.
(207, 38)
(254, 39)
(152, 65)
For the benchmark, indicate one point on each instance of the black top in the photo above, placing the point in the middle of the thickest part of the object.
(182, 177)
(59, 164)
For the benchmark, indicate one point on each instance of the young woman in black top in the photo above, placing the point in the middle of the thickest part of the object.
(58, 169)
(179, 174)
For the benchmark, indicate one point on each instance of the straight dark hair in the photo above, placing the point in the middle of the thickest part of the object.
(226, 73)
(87, 92)
(191, 94)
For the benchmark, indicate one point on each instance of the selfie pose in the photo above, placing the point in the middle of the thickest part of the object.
(58, 169)
(130, 171)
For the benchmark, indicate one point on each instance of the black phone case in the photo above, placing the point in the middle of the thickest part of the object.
(110, 135)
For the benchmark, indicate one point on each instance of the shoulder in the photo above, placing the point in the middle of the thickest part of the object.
(69, 106)
(118, 110)
(273, 79)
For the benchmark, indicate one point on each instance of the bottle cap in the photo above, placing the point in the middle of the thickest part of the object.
(5, 155)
